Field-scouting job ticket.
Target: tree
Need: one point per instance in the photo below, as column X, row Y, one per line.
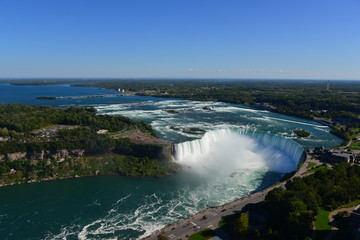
column 241, row 225
column 4, row 132
column 163, row 236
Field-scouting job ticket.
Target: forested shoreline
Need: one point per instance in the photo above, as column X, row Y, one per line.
column 306, row 99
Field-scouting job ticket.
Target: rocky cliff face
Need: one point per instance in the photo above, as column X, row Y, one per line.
column 168, row 151
column 58, row 155
column 145, row 145
column 161, row 152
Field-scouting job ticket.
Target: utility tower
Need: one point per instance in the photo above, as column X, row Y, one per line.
column 328, row 86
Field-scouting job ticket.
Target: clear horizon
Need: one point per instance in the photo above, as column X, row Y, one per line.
column 307, row 40
column 45, row 79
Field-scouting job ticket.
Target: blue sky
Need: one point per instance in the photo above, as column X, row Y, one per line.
column 316, row 39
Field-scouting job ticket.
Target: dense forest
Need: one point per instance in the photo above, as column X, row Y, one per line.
column 31, row 138
column 25, row 119
column 20, row 122
column 290, row 213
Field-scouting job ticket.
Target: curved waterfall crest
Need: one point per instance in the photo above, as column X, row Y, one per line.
column 245, row 146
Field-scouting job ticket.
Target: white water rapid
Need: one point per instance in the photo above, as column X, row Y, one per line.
column 225, row 151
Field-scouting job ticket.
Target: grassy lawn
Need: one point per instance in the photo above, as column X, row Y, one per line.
column 203, row 235
column 311, row 165
column 355, row 145
column 117, row 135
column 351, row 204
column 315, row 169
column 222, row 223
column 322, row 220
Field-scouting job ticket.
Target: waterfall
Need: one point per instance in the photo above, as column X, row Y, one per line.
column 226, row 150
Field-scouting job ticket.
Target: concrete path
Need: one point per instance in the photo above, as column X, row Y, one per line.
column 333, row 213
column 331, row 216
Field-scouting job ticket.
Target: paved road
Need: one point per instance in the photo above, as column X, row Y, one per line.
column 210, row 217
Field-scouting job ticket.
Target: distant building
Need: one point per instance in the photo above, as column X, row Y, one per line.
column 318, row 111
column 335, row 155
column 102, row 131
column 4, row 139
column 328, row 86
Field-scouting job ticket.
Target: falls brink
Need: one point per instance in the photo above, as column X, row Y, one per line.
column 227, row 150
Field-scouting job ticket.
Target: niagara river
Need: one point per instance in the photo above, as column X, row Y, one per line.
column 229, row 151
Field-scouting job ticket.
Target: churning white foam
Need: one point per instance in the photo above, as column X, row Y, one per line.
column 218, row 154
column 224, row 151
column 298, row 122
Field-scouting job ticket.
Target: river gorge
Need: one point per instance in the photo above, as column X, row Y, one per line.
column 230, row 152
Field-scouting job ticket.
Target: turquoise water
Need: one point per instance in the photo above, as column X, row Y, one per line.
column 128, row 208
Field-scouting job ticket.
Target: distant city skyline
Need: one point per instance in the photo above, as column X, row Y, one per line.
column 239, row 39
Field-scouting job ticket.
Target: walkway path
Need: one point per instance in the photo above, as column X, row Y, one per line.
column 331, row 216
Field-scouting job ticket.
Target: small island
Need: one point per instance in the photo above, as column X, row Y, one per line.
column 39, row 143
column 45, row 97
column 301, row 133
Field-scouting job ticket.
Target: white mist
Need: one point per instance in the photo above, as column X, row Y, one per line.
column 226, row 151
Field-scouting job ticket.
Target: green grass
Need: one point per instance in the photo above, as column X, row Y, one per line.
column 311, row 165
column 322, row 220
column 351, row 204
column 203, row 235
column 315, row 169
column 356, row 129
column 355, row 145
column 222, row 223
column 120, row 134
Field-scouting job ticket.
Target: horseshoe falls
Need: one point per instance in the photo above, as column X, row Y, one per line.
column 230, row 150
column 224, row 151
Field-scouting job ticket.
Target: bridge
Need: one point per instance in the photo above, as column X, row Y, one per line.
column 90, row 96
